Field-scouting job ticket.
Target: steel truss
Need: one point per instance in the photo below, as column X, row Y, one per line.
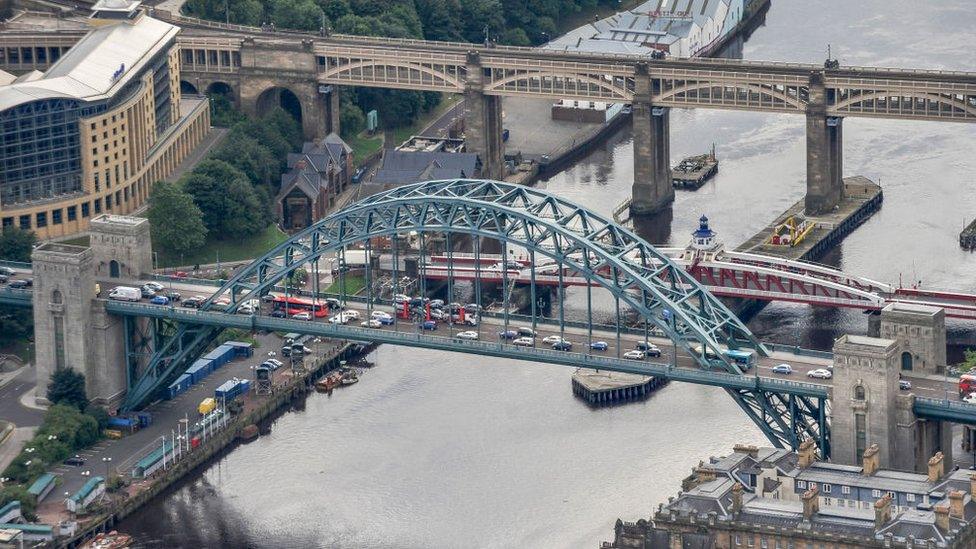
column 611, row 256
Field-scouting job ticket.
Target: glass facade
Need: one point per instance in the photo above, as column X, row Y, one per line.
column 41, row 150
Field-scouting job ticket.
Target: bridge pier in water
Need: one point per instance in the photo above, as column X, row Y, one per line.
column 483, row 121
column 825, row 157
column 652, row 190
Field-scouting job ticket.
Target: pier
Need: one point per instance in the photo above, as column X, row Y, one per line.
column 607, row 388
column 967, row 238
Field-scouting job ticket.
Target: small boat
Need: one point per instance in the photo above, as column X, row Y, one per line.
column 329, row 382
column 350, row 377
column 111, row 540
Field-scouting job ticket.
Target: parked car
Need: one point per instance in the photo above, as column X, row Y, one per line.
column 904, row 384
column 820, row 373
column 784, row 369
column 371, row 323
column 436, row 303
column 524, row 341
column 599, row 346
column 160, row 300
column 75, row 461
column 400, row 298
column 562, row 345
column 21, row 283
column 304, row 315
column 246, row 309
column 635, row 355
column 146, row 292
column 437, row 314
column 125, row 293
column 428, row 325
column 472, row 308
column 472, row 336
column 379, row 314
column 549, row 340
column 508, row 334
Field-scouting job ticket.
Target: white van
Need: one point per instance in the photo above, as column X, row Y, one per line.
column 125, row 293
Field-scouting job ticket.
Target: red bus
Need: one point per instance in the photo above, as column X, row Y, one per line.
column 967, row 384
column 297, row 304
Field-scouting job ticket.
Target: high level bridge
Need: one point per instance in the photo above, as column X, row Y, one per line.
column 257, row 67
column 131, row 351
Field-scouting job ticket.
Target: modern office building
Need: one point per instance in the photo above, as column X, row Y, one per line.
column 92, row 133
column 770, row 498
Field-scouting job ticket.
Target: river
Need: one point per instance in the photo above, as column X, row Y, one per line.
column 446, row 450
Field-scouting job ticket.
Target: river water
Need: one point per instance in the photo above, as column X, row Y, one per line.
column 447, row 450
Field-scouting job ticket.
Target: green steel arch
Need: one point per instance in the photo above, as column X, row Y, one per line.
column 609, row 255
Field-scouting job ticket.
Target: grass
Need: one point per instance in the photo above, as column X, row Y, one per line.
column 354, row 285
column 363, row 146
column 229, row 250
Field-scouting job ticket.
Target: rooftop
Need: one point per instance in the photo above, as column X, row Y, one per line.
column 98, row 66
column 868, row 341
column 59, row 248
column 918, row 308
column 112, row 219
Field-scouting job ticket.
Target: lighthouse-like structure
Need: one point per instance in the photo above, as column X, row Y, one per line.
column 704, row 243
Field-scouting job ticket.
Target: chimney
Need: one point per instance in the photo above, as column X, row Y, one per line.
column 705, row 474
column 807, row 453
column 872, row 461
column 811, row 503
column 942, row 517
column 956, row 504
column 882, row 511
column 935, row 467
column 752, row 450
column 737, row 498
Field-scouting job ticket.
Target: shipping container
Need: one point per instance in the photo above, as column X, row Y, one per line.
column 241, row 349
column 145, row 419
column 232, row 389
column 200, row 370
column 123, row 423
column 179, row 386
column 220, row 356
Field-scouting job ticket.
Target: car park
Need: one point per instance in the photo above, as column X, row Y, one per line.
column 304, row 315
column 471, row 336
column 562, row 345
column 784, row 369
column 599, row 346
column 524, row 341
column 371, row 323
column 160, row 300
column 428, row 325
column 635, row 355
column 75, row 461
column 508, row 334
column 820, row 373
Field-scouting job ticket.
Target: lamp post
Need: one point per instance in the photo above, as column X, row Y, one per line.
column 106, row 461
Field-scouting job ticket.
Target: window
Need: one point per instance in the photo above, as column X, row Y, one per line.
column 876, row 493
column 860, row 435
column 56, row 217
column 84, row 210
column 59, row 340
column 738, row 540
column 859, row 392
column 98, row 182
column 906, row 361
column 910, row 498
column 72, row 213
column 801, row 484
column 25, row 222
column 845, row 489
column 8, row 222
column 763, row 543
column 98, row 205
column 890, row 494
column 108, row 202
column 826, row 488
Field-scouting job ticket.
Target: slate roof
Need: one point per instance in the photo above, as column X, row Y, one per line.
column 406, row 167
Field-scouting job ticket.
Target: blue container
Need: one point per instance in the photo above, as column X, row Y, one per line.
column 220, row 356
column 180, row 386
column 200, row 370
column 145, row 419
column 245, row 386
column 241, row 349
column 121, row 422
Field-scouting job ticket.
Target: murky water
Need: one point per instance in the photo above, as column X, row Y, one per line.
column 445, row 450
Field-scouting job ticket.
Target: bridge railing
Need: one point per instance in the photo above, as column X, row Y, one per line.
column 944, row 409
column 15, row 264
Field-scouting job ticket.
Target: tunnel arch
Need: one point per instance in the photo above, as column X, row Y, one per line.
column 187, row 88
column 277, row 96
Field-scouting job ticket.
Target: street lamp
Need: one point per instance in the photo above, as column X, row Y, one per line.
column 106, row 461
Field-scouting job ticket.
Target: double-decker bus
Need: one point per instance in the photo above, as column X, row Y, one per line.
column 293, row 305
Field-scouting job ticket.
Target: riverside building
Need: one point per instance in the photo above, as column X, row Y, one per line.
column 92, row 133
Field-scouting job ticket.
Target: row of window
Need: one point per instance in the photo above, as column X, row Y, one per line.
column 29, row 54
column 749, row 540
column 829, row 489
column 41, row 220
column 216, row 58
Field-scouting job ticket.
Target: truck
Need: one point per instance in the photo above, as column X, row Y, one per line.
column 125, row 293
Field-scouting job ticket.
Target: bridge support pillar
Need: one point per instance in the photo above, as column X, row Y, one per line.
column 652, row 191
column 922, row 333
column 483, row 122
column 825, row 157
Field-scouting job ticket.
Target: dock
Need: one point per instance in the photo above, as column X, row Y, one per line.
column 608, row 388
column 862, row 197
column 694, row 171
column 967, row 238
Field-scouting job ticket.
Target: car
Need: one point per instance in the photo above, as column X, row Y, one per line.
column 970, row 398
column 350, row 314
column 400, row 298
column 20, row 284
column 278, row 313
column 5, row 278
column 75, row 461
column 146, row 292
column 472, row 336
column 599, row 346
column 156, row 286
column 438, row 314
column 649, row 348
column 371, row 323
column 428, row 325
column 304, row 315
column 562, row 346
column 472, row 308
column 339, row 319
column 454, row 306
column 160, row 300
column 6, row 271
column 174, row 296
column 276, row 362
column 193, row 302
column 386, row 320
column 286, row 351
column 635, row 355
column 525, row 331
column 180, row 274
column 508, row 334
column 245, row 309
column 419, row 301
column 549, row 340
column 268, row 298
column 380, row 314
column 436, row 303
column 221, row 303
column 784, row 369
column 820, row 373
column 904, row 384
column 524, row 341
column 333, row 303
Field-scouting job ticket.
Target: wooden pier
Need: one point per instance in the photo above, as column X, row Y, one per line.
column 608, row 388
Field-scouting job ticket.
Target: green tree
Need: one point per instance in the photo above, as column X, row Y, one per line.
column 67, row 387
column 969, row 362
column 253, row 159
column 177, row 223
column 28, row 505
column 297, row 14
column 230, row 206
column 351, row 119
column 16, row 244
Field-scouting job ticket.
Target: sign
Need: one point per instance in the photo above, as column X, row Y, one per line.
column 372, row 120
column 118, row 72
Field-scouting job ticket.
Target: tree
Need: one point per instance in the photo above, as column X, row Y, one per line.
column 297, row 14
column 230, row 206
column 351, row 119
column 16, row 244
column 67, row 387
column 177, row 223
column 28, row 505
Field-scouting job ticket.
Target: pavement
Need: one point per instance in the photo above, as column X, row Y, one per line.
column 534, row 133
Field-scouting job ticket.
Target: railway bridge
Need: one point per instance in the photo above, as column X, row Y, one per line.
column 259, row 68
column 129, row 352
